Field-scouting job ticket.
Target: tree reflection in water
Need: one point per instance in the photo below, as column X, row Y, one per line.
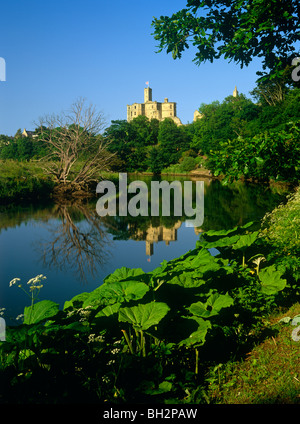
column 80, row 240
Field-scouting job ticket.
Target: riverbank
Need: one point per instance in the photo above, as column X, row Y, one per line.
column 178, row 334
column 22, row 181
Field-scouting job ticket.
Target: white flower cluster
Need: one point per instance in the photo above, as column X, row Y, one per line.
column 84, row 313
column 34, row 282
column 93, row 339
column 14, row 281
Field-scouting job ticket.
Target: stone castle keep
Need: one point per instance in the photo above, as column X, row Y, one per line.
column 159, row 110
column 153, row 109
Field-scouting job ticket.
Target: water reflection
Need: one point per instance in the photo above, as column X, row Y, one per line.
column 70, row 244
column 81, row 242
column 78, row 239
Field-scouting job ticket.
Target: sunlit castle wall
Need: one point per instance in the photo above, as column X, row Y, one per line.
column 152, row 109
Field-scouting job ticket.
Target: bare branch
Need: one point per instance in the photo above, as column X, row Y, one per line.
column 74, row 138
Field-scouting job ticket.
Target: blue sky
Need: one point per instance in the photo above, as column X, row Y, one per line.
column 56, row 51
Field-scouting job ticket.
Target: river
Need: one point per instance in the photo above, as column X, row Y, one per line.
column 69, row 243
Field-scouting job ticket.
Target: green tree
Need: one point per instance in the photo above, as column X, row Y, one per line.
column 145, row 131
column 119, row 135
column 238, row 30
column 171, row 140
column 223, row 121
column 24, row 148
column 130, row 142
column 156, row 160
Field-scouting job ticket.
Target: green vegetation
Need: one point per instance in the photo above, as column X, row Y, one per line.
column 23, row 181
column 238, row 31
column 270, row 372
column 180, row 333
column 169, row 335
column 234, row 139
column 285, row 221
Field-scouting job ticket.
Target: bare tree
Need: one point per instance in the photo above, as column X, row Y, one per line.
column 79, row 241
column 77, row 149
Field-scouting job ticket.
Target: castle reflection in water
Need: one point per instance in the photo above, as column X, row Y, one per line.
column 156, row 234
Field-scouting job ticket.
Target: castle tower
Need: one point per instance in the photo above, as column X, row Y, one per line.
column 235, row 92
column 147, row 94
column 153, row 110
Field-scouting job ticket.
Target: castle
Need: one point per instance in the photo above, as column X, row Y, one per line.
column 152, row 109
column 158, row 110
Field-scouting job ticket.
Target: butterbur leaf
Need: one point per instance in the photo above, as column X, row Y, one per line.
column 197, row 338
column 123, row 273
column 108, row 310
column 124, row 290
column 271, row 281
column 187, row 280
column 40, row 311
column 76, row 301
column 149, row 387
column 116, row 292
column 245, row 240
column 212, row 233
column 212, row 306
column 143, row 316
column 220, row 242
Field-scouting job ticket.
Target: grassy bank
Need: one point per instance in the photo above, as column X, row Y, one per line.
column 26, row 180
column 270, row 372
column 22, row 181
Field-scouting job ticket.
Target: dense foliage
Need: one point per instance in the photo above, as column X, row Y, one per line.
column 239, row 31
column 21, row 148
column 285, row 220
column 144, row 144
column 240, row 138
column 272, row 154
column 236, row 138
column 143, row 337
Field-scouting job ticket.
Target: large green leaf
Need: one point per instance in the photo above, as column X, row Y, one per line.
column 108, row 310
column 271, row 281
column 76, row 301
column 220, row 242
column 222, row 238
column 187, row 279
column 245, row 240
column 40, row 311
column 123, row 274
column 197, row 338
column 116, row 292
column 143, row 316
column 204, row 262
column 212, row 306
column 220, row 232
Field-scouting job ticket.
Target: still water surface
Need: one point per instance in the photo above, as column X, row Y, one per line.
column 76, row 249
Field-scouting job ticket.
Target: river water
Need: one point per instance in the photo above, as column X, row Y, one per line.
column 76, row 249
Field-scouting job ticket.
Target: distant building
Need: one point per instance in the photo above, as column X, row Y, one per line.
column 27, row 133
column 235, row 92
column 198, row 115
column 152, row 109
